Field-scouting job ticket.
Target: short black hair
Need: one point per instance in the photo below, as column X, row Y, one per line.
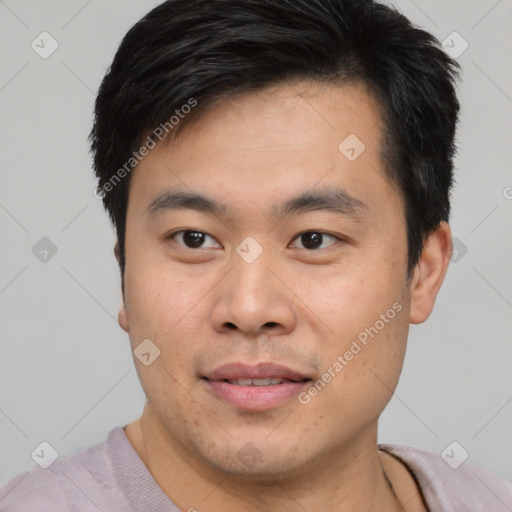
column 199, row 52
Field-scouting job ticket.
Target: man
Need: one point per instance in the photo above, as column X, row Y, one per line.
column 278, row 174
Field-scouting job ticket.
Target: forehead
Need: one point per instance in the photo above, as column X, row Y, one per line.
column 287, row 117
column 272, row 144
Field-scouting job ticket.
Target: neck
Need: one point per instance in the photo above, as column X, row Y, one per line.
column 349, row 478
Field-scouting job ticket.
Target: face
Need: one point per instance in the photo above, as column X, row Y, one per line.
column 251, row 282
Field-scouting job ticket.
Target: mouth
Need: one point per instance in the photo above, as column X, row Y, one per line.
column 261, row 382
column 261, row 374
column 255, row 388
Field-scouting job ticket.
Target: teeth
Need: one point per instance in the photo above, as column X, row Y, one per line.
column 255, row 382
column 241, row 382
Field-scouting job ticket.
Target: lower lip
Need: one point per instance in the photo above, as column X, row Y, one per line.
column 255, row 398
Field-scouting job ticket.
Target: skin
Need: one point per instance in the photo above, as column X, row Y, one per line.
column 295, row 306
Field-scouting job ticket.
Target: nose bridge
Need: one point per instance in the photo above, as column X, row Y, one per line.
column 252, row 298
column 251, row 277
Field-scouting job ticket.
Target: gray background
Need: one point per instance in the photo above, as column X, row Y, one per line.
column 66, row 371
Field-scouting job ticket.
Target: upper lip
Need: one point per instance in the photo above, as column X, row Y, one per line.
column 260, row 371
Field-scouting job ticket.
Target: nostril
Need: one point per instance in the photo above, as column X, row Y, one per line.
column 271, row 324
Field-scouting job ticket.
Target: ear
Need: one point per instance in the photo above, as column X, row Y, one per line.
column 122, row 316
column 429, row 273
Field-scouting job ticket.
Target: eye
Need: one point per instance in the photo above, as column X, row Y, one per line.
column 192, row 239
column 312, row 240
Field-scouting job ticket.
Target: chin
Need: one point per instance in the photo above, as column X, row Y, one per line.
column 244, row 459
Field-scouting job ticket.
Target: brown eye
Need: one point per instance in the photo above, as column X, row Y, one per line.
column 191, row 239
column 313, row 240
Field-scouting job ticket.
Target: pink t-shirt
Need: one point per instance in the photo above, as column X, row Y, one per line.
column 111, row 477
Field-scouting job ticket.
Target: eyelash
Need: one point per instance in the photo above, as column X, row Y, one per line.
column 173, row 235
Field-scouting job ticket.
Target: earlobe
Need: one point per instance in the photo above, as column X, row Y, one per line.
column 430, row 272
column 122, row 316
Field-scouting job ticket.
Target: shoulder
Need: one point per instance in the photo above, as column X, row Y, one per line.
column 83, row 481
column 450, row 483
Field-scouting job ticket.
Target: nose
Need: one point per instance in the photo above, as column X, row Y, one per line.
column 254, row 298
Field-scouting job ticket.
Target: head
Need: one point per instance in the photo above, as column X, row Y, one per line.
column 228, row 136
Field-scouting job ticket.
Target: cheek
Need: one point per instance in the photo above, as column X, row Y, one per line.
column 350, row 298
column 158, row 293
column 170, row 307
column 366, row 312
column 359, row 378
column 167, row 311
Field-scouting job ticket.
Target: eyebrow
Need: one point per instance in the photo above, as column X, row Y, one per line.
column 334, row 200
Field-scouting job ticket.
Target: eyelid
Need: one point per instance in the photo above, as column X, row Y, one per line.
column 173, row 234
column 320, row 232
